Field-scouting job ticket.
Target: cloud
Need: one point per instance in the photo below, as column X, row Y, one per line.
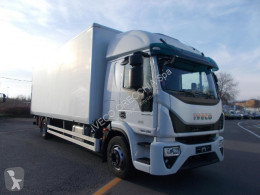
column 25, row 11
column 248, row 85
column 231, row 59
column 243, row 66
column 226, row 30
column 21, row 50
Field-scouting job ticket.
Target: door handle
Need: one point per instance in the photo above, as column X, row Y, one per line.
column 122, row 114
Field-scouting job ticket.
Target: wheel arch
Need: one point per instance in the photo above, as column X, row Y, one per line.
column 41, row 120
column 118, row 129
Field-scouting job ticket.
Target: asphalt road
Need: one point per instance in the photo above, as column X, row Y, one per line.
column 56, row 166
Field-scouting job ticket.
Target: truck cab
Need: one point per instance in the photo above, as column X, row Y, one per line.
column 162, row 95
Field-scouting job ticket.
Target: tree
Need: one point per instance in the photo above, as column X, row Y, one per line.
column 227, row 89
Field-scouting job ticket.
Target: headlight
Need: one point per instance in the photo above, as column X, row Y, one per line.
column 171, row 151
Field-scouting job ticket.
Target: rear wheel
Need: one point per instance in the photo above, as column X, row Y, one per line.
column 44, row 132
column 119, row 157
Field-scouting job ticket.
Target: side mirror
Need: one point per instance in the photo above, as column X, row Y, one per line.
column 136, row 60
column 136, row 77
column 2, row 97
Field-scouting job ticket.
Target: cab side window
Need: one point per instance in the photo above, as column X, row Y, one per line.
column 146, row 102
column 126, row 83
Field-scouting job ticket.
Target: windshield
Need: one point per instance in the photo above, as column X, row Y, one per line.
column 187, row 79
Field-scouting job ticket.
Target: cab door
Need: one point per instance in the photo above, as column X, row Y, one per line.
column 137, row 105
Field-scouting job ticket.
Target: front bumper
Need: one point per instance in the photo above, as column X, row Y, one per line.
column 187, row 159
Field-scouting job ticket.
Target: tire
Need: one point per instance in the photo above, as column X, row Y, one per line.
column 119, row 157
column 44, row 132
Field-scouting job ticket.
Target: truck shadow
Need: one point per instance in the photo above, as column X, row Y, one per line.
column 226, row 177
column 196, row 181
column 182, row 182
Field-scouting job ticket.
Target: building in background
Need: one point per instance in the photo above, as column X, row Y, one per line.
column 252, row 105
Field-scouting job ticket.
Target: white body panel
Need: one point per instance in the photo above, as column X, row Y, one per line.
column 71, row 86
column 158, row 167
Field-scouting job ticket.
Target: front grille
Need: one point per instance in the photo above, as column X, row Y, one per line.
column 196, row 139
column 180, row 127
column 200, row 160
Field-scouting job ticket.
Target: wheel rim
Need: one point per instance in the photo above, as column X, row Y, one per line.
column 117, row 157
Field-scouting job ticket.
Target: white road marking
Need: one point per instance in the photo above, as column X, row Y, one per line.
column 257, row 126
column 248, row 130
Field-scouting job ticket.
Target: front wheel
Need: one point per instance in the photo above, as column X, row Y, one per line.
column 119, row 157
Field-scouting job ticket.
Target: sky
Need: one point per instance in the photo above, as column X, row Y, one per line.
column 228, row 31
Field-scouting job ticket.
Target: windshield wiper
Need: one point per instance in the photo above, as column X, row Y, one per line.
column 207, row 95
column 182, row 91
column 194, row 93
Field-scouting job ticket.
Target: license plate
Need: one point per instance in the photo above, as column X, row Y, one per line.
column 203, row 149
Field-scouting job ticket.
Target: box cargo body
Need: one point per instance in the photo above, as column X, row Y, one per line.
column 71, row 85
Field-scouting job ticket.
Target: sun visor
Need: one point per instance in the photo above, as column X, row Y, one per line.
column 163, row 49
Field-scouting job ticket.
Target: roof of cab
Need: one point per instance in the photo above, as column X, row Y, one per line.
column 136, row 40
column 129, row 42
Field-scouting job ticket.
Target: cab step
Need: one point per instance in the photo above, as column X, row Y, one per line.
column 144, row 160
column 144, row 144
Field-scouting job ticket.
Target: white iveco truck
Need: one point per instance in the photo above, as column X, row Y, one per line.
column 143, row 100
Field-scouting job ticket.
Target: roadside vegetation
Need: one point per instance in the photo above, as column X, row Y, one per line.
column 16, row 107
column 227, row 87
